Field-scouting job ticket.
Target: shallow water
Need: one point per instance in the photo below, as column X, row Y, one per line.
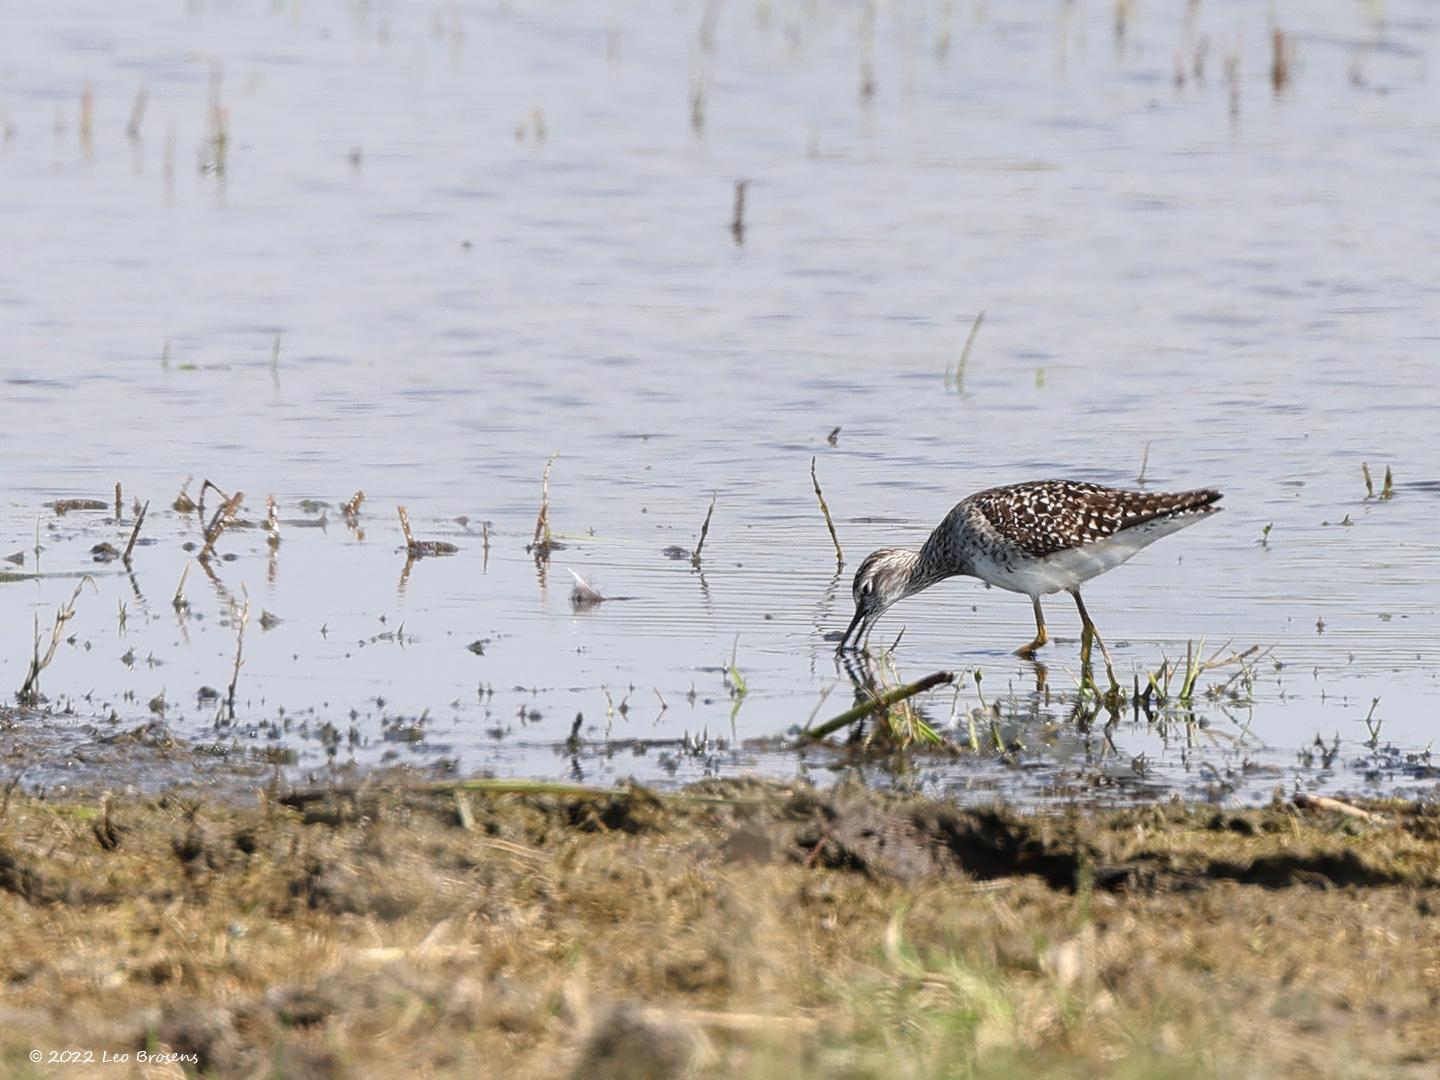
column 489, row 232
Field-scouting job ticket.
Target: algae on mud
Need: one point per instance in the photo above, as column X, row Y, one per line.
column 738, row 928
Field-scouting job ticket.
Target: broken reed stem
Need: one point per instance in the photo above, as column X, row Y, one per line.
column 222, row 518
column 29, row 693
column 25, row 694
column 137, row 112
column 1282, row 52
column 118, row 501
column 737, row 221
column 87, row 113
column 969, row 344
column 272, row 522
column 875, row 704
column 704, row 531
column 824, row 509
column 180, row 603
column 1144, row 463
column 419, row 549
column 542, row 521
column 239, row 657
column 352, row 508
column 1306, row 801
column 135, row 532
column 1369, row 483
column 205, row 485
column 183, row 504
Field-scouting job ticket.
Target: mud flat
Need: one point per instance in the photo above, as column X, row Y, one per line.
column 408, row 925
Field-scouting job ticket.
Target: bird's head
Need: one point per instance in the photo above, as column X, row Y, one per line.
column 883, row 578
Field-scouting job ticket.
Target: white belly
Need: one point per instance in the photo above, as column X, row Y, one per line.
column 1069, row 568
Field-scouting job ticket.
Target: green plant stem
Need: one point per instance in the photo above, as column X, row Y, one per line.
column 884, row 701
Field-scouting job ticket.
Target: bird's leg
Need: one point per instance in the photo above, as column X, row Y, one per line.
column 1087, row 638
column 1089, row 633
column 1028, row 651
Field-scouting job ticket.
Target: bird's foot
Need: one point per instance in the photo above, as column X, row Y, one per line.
column 1029, row 649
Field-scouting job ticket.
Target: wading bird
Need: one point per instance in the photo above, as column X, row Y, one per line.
column 1036, row 538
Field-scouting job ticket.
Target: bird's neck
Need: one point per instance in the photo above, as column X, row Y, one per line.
column 936, row 561
column 922, row 570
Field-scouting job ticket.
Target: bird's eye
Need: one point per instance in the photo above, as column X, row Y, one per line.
column 865, row 589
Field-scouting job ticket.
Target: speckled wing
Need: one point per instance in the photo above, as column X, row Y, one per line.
column 1046, row 516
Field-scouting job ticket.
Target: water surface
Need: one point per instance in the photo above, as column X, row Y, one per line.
column 485, row 233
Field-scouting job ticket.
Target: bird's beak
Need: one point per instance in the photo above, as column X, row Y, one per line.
column 855, row 625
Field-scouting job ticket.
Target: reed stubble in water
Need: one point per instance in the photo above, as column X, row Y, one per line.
column 137, row 113
column 178, row 602
column 241, row 614
column 29, row 693
column 825, row 509
column 737, row 219
column 135, row 532
column 419, row 549
column 876, row 704
column 221, row 519
column 543, row 543
column 704, row 532
column 583, row 594
column 1387, row 489
column 957, row 380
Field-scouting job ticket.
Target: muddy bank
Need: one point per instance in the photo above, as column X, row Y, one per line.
column 736, row 928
